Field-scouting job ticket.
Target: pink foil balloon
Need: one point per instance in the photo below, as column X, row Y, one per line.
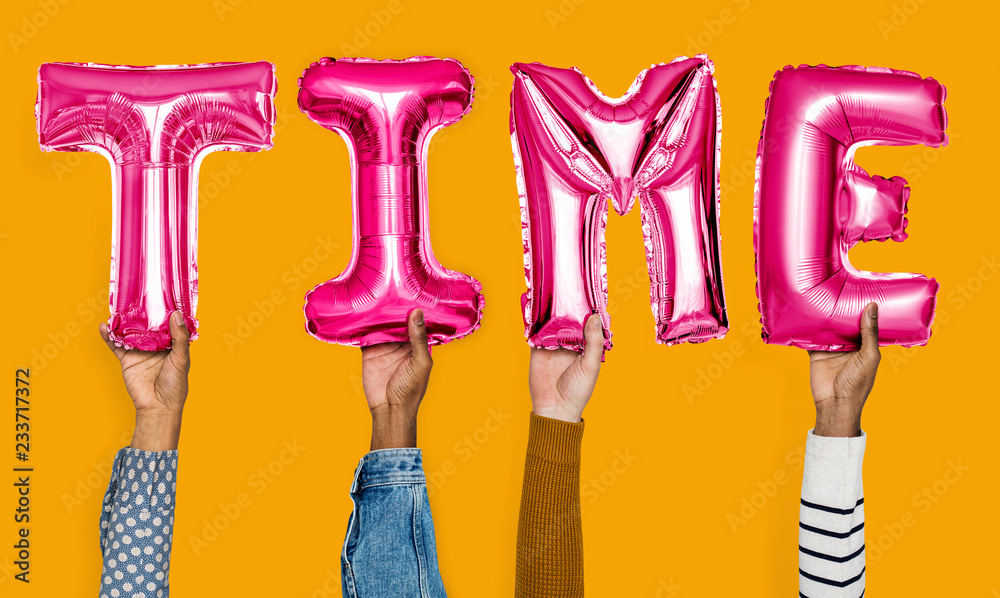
column 574, row 149
column 155, row 125
column 813, row 203
column 387, row 112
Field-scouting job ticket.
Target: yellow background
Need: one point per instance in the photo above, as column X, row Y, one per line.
column 667, row 520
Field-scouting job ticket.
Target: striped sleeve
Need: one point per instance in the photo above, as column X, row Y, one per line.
column 832, row 519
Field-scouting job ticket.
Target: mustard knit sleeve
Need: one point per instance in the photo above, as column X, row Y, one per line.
column 549, row 532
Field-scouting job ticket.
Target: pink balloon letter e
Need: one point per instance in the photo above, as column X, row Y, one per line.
column 813, row 203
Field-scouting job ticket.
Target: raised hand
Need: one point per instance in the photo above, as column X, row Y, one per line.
column 841, row 381
column 157, row 382
column 561, row 381
column 394, row 377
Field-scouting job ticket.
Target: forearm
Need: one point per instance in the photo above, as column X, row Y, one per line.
column 157, row 429
column 549, row 530
column 840, row 419
column 137, row 521
column 390, row 548
column 831, row 518
column 394, row 427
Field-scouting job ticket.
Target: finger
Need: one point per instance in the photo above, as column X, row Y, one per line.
column 869, row 334
column 416, row 329
column 179, row 340
column 115, row 349
column 593, row 350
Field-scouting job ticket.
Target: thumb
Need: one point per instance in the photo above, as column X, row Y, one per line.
column 416, row 329
column 593, row 350
column 180, row 337
column 869, row 335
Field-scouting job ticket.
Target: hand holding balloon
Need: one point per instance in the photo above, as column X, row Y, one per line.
column 841, row 381
column 157, row 382
column 561, row 381
column 394, row 377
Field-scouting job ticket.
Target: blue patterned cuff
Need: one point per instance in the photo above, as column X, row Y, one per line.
column 137, row 524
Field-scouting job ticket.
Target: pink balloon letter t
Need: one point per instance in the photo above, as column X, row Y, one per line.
column 155, row 125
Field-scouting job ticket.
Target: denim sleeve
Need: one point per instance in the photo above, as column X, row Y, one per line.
column 137, row 524
column 389, row 549
column 832, row 519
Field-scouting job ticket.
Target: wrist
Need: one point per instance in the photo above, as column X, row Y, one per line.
column 156, row 429
column 393, row 427
column 838, row 421
column 569, row 415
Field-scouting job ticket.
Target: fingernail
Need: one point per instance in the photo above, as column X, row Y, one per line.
column 874, row 311
column 178, row 319
column 595, row 322
column 420, row 317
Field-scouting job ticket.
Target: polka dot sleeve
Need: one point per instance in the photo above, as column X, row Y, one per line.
column 137, row 524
